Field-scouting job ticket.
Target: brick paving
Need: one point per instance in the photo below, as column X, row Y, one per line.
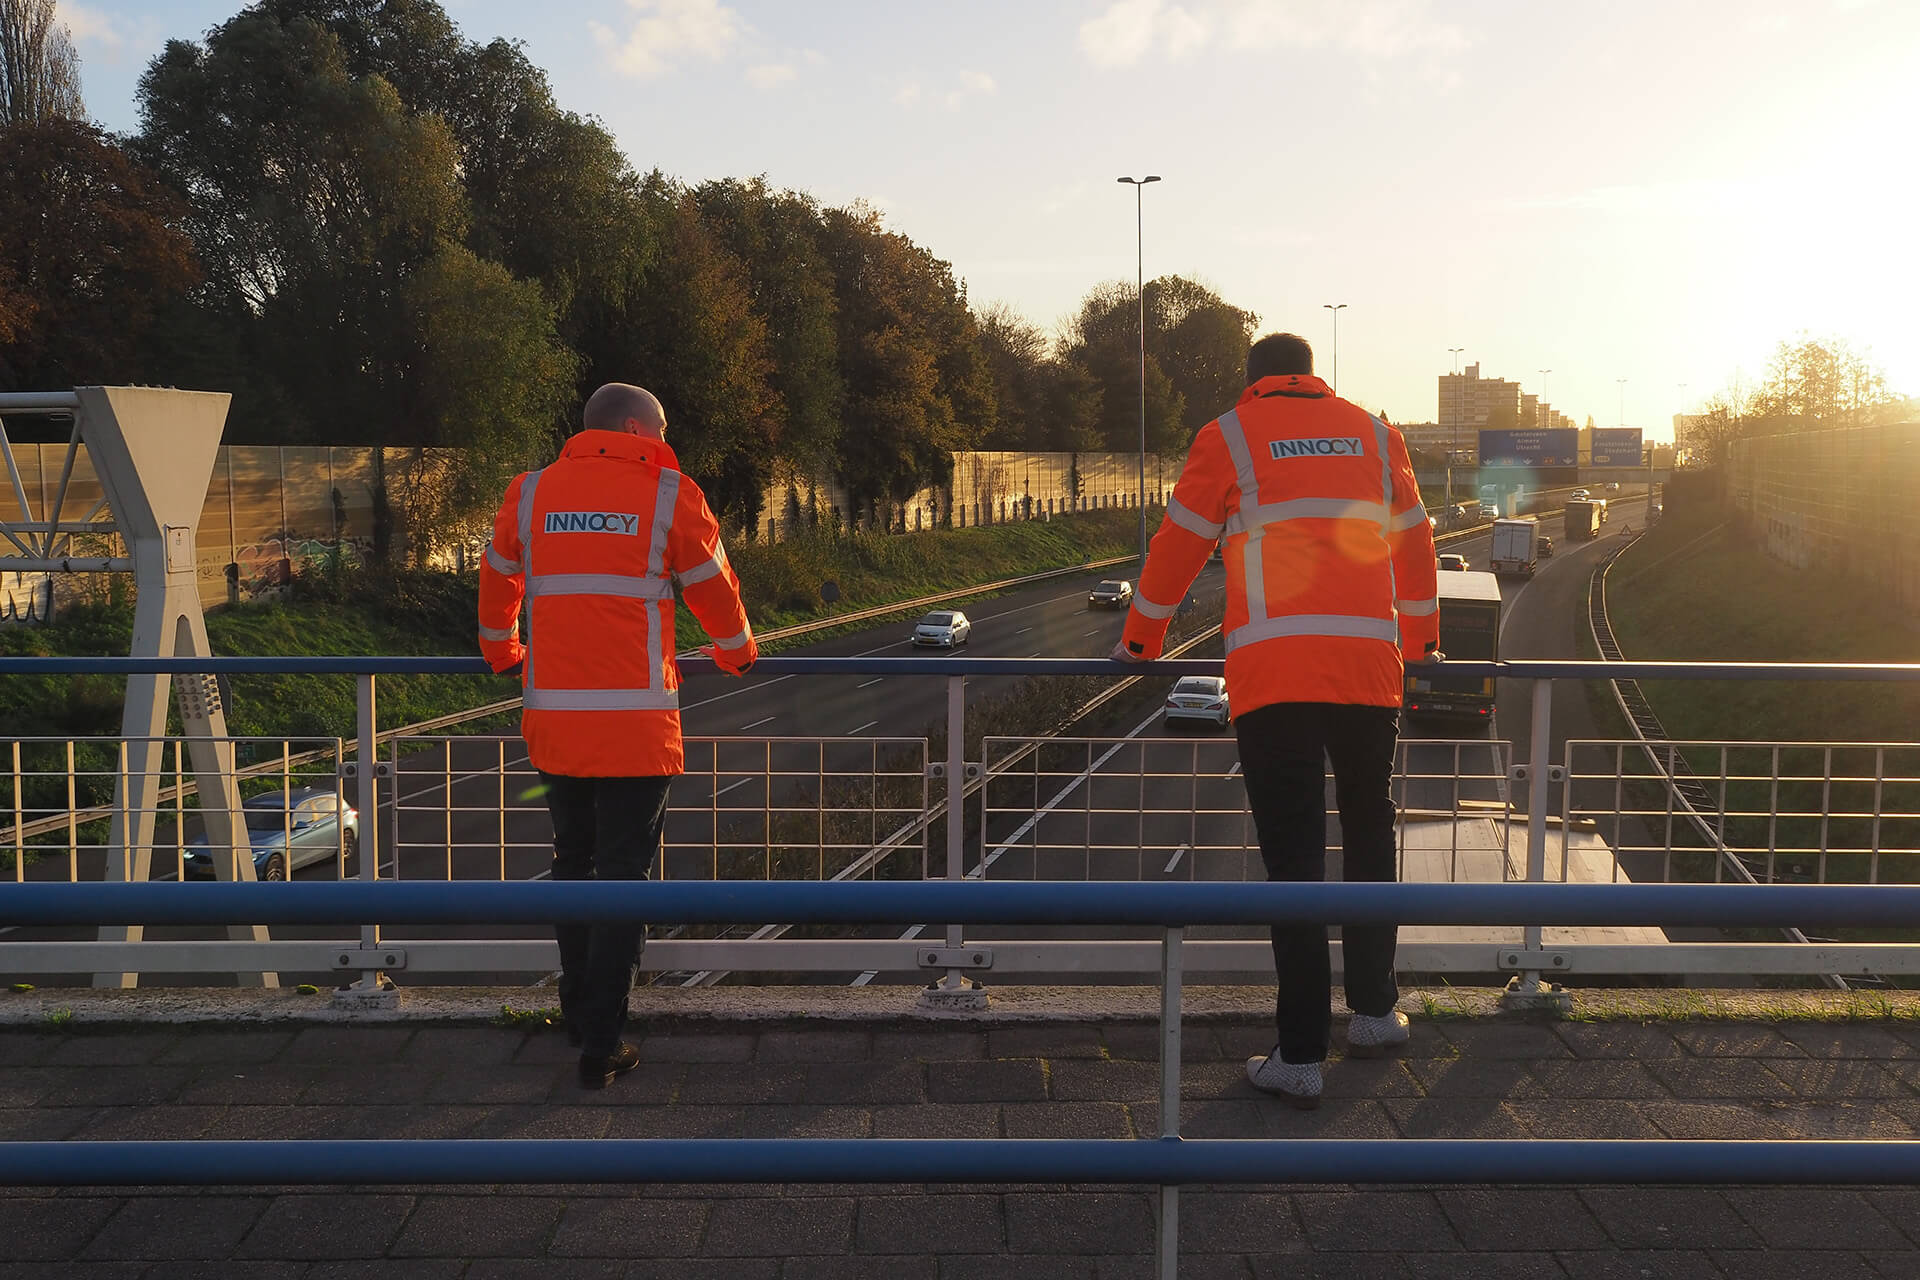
column 1487, row 1075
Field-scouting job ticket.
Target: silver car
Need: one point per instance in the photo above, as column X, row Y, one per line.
column 1199, row 698
column 942, row 629
column 287, row 831
column 1110, row 595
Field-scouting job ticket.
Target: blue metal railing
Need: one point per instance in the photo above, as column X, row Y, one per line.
column 1511, row 669
column 1174, row 905
column 1165, row 1162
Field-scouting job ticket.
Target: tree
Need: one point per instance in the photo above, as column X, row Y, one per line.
column 1201, row 342
column 39, row 70
column 493, row 370
column 1016, row 355
column 1104, row 341
column 776, row 236
column 1822, row 382
column 689, row 333
column 550, row 195
column 88, row 258
column 910, row 358
column 341, row 304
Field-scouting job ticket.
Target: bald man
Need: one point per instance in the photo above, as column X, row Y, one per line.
column 594, row 543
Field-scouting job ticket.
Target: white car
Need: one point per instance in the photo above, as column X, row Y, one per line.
column 1199, row 698
column 1579, row 495
column 943, row 629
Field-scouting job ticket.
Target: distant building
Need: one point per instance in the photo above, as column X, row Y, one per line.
column 1426, row 437
column 1466, row 400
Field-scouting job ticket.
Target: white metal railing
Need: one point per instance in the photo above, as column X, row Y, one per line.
column 1796, row 812
column 467, row 808
column 59, row 798
column 827, row 808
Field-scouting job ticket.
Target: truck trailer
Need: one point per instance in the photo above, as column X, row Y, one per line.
column 1516, row 546
column 1583, row 517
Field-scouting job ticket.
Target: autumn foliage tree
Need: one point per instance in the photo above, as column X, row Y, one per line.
column 90, row 254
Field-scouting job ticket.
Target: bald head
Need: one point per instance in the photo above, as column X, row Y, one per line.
column 620, row 406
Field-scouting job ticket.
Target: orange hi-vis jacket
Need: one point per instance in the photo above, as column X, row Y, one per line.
column 594, row 543
column 1328, row 553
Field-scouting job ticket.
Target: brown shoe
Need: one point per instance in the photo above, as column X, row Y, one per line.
column 597, row 1072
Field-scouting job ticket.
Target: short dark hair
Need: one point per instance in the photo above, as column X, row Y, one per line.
column 1277, row 355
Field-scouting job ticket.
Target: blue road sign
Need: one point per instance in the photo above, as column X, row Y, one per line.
column 1616, row 446
column 1559, row 447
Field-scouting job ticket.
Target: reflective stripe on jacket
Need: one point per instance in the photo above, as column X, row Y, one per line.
column 1328, row 553
column 592, row 543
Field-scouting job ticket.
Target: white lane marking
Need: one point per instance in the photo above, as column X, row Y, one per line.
column 1236, row 769
column 1022, row 631
column 1094, row 632
column 1033, row 655
column 732, row 787
column 863, row 728
column 757, row 723
column 869, row 684
column 1174, row 861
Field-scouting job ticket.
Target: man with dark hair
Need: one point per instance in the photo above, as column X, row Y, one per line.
column 1278, row 355
column 1330, row 590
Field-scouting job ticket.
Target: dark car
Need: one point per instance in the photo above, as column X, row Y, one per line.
column 288, row 830
column 1110, row 595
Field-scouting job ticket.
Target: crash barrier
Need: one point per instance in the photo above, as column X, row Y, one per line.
column 1167, row 1161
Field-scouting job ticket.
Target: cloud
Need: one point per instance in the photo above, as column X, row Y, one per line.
column 770, row 75
column 1129, row 30
column 87, row 25
column 908, row 94
column 972, row 84
column 668, row 33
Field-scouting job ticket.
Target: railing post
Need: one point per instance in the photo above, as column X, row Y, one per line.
column 956, row 990
column 1168, row 1235
column 1525, row 989
column 374, row 990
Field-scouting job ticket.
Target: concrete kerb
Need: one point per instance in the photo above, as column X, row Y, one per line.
column 67, row 1008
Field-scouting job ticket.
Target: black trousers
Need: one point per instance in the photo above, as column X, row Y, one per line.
column 1283, row 749
column 603, row 829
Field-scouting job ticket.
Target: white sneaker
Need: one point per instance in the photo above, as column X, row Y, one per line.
column 1369, row 1037
column 1297, row 1082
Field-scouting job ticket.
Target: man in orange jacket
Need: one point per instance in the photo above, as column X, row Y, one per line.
column 594, row 543
column 1330, row 591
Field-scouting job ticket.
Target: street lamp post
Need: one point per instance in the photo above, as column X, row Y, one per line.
column 1336, row 308
column 1453, row 437
column 1140, row 289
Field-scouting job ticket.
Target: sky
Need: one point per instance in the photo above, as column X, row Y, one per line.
column 1644, row 190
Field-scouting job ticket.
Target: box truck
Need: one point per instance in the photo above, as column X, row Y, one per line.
column 1583, row 517
column 1516, row 545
